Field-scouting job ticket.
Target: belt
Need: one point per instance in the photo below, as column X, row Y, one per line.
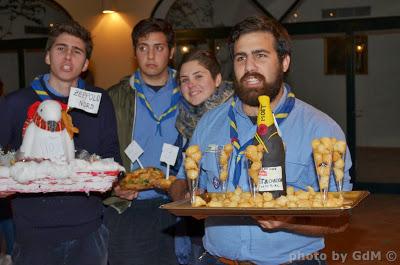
column 210, row 258
column 234, row 262
column 309, row 259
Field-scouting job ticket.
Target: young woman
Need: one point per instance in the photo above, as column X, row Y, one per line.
column 202, row 88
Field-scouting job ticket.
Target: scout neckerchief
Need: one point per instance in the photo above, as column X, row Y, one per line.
column 39, row 86
column 280, row 115
column 283, row 111
column 176, row 95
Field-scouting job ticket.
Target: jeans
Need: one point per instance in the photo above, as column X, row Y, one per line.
column 7, row 229
column 90, row 250
column 141, row 235
column 188, row 240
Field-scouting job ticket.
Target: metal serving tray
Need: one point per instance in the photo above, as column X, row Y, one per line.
column 184, row 208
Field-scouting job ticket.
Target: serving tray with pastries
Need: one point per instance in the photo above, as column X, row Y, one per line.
column 146, row 178
column 244, row 204
column 48, row 176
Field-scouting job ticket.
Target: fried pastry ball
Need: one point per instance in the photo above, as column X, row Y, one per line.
column 290, row 190
column 215, row 204
column 340, row 146
column 192, row 161
column 224, row 175
column 308, row 198
column 192, row 149
column 192, row 174
column 228, row 148
column 224, row 156
column 198, row 202
column 196, row 156
column 339, row 174
column 315, row 143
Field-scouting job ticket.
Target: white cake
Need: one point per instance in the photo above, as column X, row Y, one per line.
column 48, row 157
column 50, row 176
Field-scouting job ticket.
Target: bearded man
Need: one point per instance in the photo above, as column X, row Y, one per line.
column 261, row 51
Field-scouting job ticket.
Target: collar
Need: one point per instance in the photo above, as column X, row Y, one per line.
column 238, row 110
column 51, row 89
column 282, row 99
column 169, row 85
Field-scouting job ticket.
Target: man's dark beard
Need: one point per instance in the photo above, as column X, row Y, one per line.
column 250, row 96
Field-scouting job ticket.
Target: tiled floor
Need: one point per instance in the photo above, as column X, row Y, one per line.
column 373, row 235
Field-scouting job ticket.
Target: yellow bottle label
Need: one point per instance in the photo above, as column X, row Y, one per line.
column 264, row 118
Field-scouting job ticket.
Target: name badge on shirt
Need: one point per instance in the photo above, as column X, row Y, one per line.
column 85, row 100
column 216, row 182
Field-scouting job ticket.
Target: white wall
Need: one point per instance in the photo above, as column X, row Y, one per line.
column 325, row 92
column 112, row 55
column 377, row 93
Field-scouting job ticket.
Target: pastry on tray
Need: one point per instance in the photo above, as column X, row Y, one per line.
column 146, row 178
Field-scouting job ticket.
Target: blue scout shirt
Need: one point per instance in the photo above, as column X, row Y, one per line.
column 145, row 131
column 240, row 238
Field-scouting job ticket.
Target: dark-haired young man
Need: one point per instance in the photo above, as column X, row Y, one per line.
column 146, row 108
column 261, row 50
column 61, row 228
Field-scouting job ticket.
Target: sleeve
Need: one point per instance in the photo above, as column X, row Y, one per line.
column 108, row 134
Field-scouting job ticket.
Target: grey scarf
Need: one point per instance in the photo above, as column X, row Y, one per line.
column 189, row 115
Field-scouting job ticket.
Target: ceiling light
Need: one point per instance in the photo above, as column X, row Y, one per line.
column 185, row 49
column 359, row 48
column 108, row 6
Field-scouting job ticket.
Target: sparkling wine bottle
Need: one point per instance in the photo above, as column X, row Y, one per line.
column 272, row 176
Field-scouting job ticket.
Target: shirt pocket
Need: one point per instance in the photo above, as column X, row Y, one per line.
column 297, row 170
